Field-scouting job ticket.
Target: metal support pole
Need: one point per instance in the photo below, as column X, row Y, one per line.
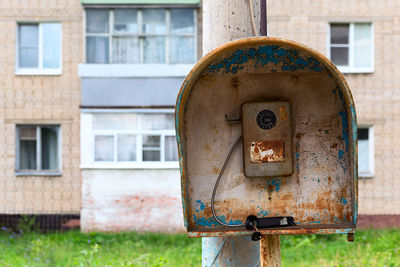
column 270, row 251
column 224, row 21
column 231, row 251
column 263, row 18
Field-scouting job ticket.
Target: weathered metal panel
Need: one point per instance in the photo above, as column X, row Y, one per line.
column 321, row 194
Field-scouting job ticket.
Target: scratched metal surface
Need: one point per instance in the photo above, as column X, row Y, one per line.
column 321, row 194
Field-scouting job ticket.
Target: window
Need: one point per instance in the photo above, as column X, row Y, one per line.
column 129, row 36
column 366, row 151
column 135, row 139
column 351, row 46
column 38, row 149
column 39, row 49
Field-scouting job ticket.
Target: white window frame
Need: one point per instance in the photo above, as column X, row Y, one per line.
column 38, row 171
column 350, row 68
column 88, row 147
column 39, row 70
column 142, row 35
column 371, row 147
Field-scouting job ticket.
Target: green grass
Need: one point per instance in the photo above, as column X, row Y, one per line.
column 371, row 248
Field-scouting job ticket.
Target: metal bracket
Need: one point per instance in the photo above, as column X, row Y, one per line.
column 232, row 119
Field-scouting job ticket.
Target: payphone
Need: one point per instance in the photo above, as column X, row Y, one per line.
column 267, row 140
column 266, row 132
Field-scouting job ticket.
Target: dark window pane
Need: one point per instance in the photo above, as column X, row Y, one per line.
column 340, row 56
column 97, row 49
column 49, row 148
column 339, row 33
column 363, row 151
column 151, row 141
column 27, row 154
column 97, row 21
column 182, row 20
column 27, row 147
column 363, row 133
column 151, row 155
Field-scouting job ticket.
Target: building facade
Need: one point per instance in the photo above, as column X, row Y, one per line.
column 39, row 108
column 88, row 88
column 362, row 39
column 137, row 56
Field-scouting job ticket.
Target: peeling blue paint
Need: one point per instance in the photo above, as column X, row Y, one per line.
column 210, row 222
column 340, row 154
column 345, row 128
column 199, row 206
column 263, row 212
column 275, row 183
column 341, row 160
column 355, row 137
column 291, row 60
column 297, row 161
column 337, row 220
column 343, row 201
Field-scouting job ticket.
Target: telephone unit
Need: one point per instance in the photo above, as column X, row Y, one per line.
column 267, row 139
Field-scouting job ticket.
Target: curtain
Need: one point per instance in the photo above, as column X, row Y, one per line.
column 51, row 34
column 362, row 45
column 49, row 148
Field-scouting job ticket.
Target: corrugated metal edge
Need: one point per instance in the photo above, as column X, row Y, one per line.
column 187, row 86
column 282, row 231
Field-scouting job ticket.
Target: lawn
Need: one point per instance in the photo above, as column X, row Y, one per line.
column 371, row 248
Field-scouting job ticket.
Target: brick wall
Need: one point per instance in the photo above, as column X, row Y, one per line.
column 377, row 95
column 40, row 99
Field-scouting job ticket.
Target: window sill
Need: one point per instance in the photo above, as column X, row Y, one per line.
column 366, row 175
column 134, row 70
column 33, row 173
column 348, row 70
column 127, row 166
column 38, row 72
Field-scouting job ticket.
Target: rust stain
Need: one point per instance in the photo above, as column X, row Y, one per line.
column 207, row 148
column 268, row 151
column 270, row 252
column 215, row 170
column 299, row 135
column 283, row 113
column 335, row 145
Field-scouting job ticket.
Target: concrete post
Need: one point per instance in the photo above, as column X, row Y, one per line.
column 224, row 21
column 228, row 20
